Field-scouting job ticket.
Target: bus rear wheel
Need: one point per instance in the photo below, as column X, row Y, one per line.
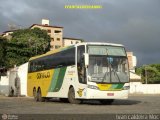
column 71, row 97
column 35, row 94
column 39, row 96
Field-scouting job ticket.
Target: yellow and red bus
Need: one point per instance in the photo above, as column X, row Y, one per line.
column 84, row 71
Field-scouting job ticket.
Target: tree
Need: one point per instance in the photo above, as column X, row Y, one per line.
column 36, row 39
column 149, row 72
column 3, row 42
column 26, row 43
column 157, row 66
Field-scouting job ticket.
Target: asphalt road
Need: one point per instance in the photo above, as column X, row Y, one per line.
column 137, row 107
column 140, row 104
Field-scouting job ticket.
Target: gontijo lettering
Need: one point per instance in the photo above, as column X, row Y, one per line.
column 43, row 75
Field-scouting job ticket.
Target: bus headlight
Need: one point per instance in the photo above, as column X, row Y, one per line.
column 126, row 87
column 93, row 87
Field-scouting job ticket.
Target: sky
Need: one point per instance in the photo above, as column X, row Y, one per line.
column 133, row 23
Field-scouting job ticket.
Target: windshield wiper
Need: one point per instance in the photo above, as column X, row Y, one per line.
column 116, row 74
column 114, row 71
column 104, row 77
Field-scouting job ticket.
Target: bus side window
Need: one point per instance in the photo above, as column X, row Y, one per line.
column 80, row 64
column 32, row 65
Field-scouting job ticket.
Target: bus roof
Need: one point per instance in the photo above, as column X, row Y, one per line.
column 68, row 47
column 51, row 52
column 98, row 43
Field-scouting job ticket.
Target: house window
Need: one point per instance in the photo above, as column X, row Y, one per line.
column 49, row 31
column 71, row 42
column 77, row 42
column 57, row 46
column 52, row 39
column 58, row 39
column 52, row 47
column 57, row 31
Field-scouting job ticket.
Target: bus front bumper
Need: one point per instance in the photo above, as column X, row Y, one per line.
column 98, row 94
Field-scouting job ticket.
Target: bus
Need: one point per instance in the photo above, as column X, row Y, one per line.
column 84, row 71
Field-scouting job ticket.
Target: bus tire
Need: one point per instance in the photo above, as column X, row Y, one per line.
column 71, row 97
column 107, row 101
column 35, row 94
column 39, row 96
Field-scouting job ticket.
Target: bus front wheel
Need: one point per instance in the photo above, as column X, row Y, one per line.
column 71, row 97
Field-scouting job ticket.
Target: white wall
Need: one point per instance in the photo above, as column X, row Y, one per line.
column 12, row 76
column 4, row 85
column 6, row 82
column 22, row 74
column 139, row 88
column 67, row 42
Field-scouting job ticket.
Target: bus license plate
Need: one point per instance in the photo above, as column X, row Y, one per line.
column 110, row 94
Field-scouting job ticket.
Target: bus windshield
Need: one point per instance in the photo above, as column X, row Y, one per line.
column 107, row 65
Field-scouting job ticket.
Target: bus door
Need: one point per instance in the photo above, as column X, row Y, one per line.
column 82, row 81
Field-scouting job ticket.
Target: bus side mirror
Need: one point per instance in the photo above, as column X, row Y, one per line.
column 86, row 59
